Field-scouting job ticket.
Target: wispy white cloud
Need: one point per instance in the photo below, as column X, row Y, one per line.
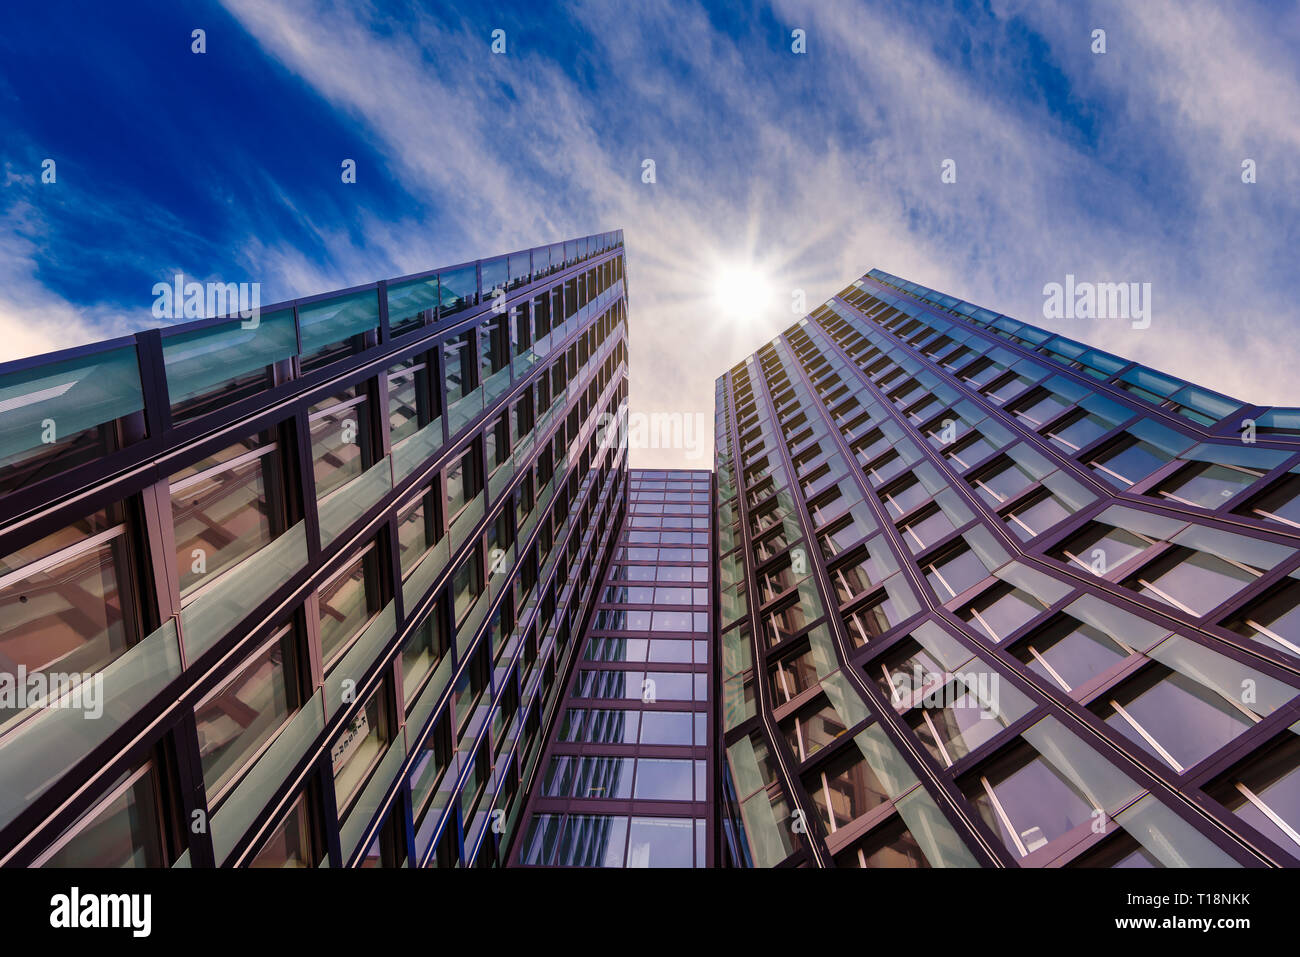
column 817, row 167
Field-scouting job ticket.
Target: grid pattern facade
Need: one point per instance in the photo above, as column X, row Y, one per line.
column 298, row 585
column 629, row 771
column 989, row 597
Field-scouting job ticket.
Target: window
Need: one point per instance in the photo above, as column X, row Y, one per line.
column 588, row 840
column 1098, row 548
column 1028, row 802
column 1004, row 481
column 669, row 728
column 468, row 690
column 458, row 289
column 903, row 498
column 793, row 674
column 494, row 341
column 246, row 711
column 460, row 370
column 613, row 726
column 295, row 841
column 1079, row 429
column 388, row 848
column 64, row 414
column 338, row 326
column 128, row 827
column 812, row 728
column 954, row 572
column 424, row 649
column 953, row 701
column 359, row 748
column 539, row 844
column 780, row 623
column 431, row 763
column 928, row 528
column 411, row 304
column 596, row 778
column 224, row 508
column 1129, row 461
column 418, row 529
column 541, row 316
column 1191, row 580
column 1272, row 619
column 1070, row 653
column 1207, row 484
column 661, row 842
column 881, row 612
column 216, row 365
column 1000, row 610
column 844, row 789
column 341, row 445
column 347, row 603
column 497, row 442
column 1037, row 514
column 665, row 779
column 67, row 603
column 1265, row 792
column 1039, row 408
column 463, row 481
column 467, row 584
column 1279, row 503
column 972, row 450
column 412, row 402
column 889, row 846
column 1173, row 716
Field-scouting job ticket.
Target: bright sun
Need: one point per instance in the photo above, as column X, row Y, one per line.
column 742, row 292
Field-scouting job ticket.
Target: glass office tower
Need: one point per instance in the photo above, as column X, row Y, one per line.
column 300, row 588
column 990, row 597
column 629, row 776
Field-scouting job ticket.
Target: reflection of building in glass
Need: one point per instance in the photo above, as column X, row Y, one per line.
column 327, row 562
column 989, row 597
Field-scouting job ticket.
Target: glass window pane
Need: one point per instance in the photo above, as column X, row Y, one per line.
column 222, row 517
column 327, row 327
column 340, row 437
column 83, row 398
column 293, row 843
column 245, row 712
column 125, row 830
column 347, row 603
column 211, row 367
column 359, row 747
column 661, row 842
column 72, row 612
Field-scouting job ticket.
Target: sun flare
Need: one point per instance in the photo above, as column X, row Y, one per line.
column 742, row 292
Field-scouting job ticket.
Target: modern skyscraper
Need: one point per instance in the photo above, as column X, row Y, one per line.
column 629, row 775
column 990, row 597
column 300, row 587
column 365, row 580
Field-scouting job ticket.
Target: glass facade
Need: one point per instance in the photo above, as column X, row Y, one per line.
column 370, row 583
column 992, row 598
column 309, row 580
column 628, row 779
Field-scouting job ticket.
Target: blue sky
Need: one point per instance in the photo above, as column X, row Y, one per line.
column 808, row 169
